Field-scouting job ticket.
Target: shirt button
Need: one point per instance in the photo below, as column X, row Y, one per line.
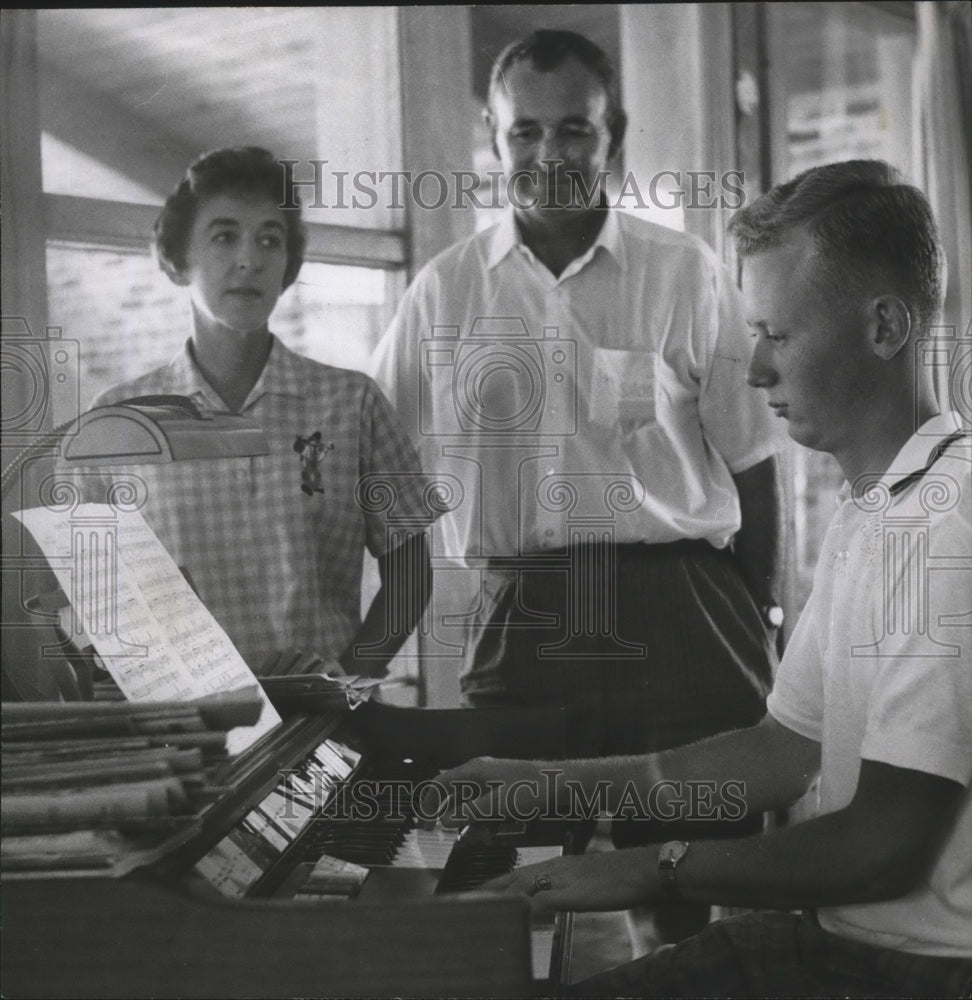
column 549, row 533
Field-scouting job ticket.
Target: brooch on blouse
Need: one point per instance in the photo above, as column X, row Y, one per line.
column 311, row 450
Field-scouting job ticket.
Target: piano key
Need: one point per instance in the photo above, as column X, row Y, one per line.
column 426, row 848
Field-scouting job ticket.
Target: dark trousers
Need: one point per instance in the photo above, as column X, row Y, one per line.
column 651, row 646
column 780, row 955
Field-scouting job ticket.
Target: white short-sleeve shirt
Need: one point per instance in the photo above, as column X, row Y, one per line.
column 879, row 667
column 610, row 399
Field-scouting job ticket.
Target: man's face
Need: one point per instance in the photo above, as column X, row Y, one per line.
column 235, row 261
column 551, row 125
column 812, row 351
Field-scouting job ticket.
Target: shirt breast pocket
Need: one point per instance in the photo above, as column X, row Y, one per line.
column 623, row 389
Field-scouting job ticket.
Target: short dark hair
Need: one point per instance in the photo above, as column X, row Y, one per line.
column 242, row 170
column 864, row 220
column 546, row 50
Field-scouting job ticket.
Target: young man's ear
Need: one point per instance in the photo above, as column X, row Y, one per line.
column 889, row 324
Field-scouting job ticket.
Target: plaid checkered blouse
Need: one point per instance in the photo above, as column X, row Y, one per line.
column 277, row 566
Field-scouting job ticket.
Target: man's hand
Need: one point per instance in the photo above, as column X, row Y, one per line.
column 487, row 788
column 610, row 880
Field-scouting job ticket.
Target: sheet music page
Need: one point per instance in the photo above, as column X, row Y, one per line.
column 155, row 636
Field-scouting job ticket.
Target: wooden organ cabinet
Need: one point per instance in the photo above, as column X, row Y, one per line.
column 165, row 931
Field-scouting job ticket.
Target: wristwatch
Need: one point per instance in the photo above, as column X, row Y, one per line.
column 669, row 857
column 772, row 615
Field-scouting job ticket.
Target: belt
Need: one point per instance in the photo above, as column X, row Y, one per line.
column 647, row 550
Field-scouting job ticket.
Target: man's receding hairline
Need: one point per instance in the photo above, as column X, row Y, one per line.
column 527, row 60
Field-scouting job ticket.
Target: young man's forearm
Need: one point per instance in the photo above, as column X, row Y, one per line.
column 777, row 763
column 878, row 847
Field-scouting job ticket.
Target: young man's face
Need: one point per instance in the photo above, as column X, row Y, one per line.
column 812, row 352
column 551, row 124
column 235, row 261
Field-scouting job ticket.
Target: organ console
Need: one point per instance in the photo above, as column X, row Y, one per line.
column 243, row 908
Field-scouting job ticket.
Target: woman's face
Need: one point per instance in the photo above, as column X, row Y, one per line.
column 235, row 261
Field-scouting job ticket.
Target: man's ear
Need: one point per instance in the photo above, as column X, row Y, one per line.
column 490, row 119
column 889, row 325
column 618, row 128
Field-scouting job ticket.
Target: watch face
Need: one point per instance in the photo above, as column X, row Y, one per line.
column 672, row 852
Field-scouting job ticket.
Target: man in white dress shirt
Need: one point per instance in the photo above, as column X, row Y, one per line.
column 581, row 374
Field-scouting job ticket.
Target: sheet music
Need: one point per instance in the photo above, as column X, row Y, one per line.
column 154, row 635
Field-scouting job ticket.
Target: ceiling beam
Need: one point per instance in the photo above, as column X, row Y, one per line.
column 110, row 133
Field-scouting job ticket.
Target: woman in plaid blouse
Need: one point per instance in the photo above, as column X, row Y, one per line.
column 274, row 544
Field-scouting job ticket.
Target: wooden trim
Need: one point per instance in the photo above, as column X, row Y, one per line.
column 28, row 407
column 719, row 134
column 24, row 284
column 437, row 118
column 122, row 225
column 112, row 225
column 329, row 244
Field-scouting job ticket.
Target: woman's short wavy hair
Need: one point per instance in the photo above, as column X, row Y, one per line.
column 240, row 170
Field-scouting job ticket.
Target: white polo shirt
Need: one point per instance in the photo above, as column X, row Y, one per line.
column 608, row 402
column 879, row 667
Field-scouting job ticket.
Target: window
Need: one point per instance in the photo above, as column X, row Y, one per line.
column 840, row 84
column 129, row 318
column 129, row 96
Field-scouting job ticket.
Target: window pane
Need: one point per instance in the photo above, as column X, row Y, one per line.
column 129, row 318
column 131, row 95
column 841, row 80
column 842, row 75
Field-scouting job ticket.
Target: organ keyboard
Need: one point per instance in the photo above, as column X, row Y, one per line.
column 298, row 883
